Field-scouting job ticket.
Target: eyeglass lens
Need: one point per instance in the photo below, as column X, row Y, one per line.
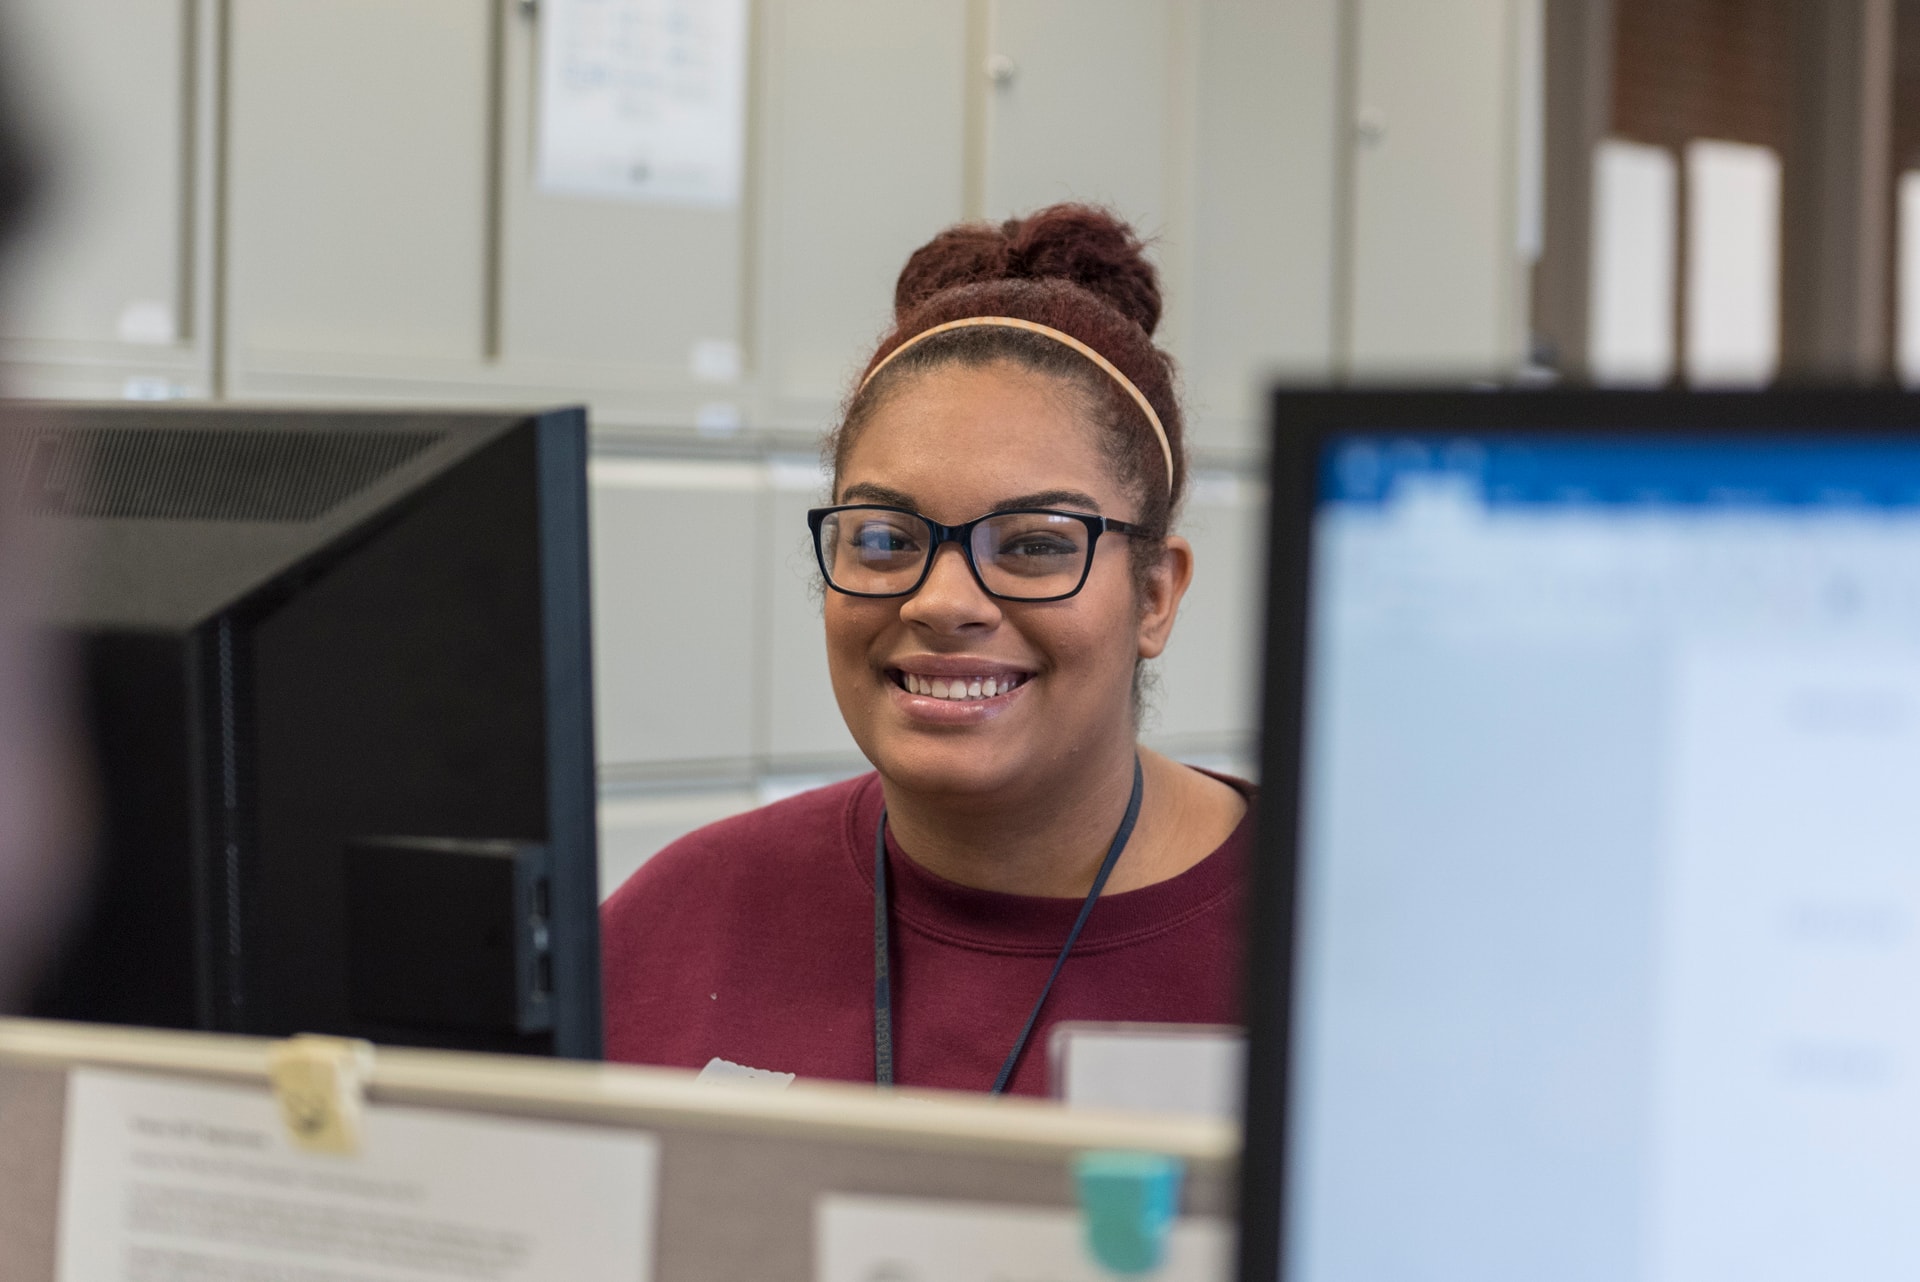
column 1021, row 555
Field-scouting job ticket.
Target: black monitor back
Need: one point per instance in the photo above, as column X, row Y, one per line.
column 336, row 670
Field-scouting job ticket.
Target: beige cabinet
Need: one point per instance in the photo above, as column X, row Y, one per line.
column 1436, row 283
column 335, row 199
column 1082, row 104
column 382, row 237
column 358, row 191
column 399, row 245
column 804, row 729
column 113, row 294
column 863, row 117
column 1257, row 296
column 1208, row 692
column 677, row 604
column 607, row 296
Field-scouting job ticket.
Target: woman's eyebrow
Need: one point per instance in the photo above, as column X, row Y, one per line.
column 1049, row 498
column 868, row 492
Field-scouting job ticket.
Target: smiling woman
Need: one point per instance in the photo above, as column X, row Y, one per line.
column 1000, row 561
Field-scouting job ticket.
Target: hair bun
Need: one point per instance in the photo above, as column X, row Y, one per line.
column 1083, row 244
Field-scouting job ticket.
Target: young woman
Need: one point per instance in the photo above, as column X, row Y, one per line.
column 998, row 563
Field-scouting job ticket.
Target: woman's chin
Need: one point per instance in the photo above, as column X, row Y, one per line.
column 953, row 768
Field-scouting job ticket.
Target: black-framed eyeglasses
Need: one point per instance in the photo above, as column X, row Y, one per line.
column 1032, row 554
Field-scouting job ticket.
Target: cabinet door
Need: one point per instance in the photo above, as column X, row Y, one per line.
column 804, row 727
column 635, row 825
column 1091, row 101
column 1081, row 109
column 105, row 287
column 865, row 143
column 1260, row 287
column 676, row 605
column 1436, row 281
column 607, row 292
column 1209, row 695
column 360, row 185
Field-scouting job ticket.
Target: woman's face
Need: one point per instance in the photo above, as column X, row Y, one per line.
column 952, row 444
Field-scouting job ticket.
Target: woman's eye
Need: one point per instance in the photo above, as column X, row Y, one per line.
column 882, row 538
column 1037, row 545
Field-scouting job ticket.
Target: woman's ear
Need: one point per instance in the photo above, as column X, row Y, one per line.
column 1166, row 583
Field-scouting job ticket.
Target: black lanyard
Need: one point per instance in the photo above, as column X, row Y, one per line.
column 882, row 946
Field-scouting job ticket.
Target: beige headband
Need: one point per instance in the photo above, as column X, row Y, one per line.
column 1033, row 327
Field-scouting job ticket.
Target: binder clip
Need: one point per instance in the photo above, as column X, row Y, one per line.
column 321, row 1085
column 1128, row 1202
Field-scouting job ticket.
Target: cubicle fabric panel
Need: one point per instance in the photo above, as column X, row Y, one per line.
column 33, row 1104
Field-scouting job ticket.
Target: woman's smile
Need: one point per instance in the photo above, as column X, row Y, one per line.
column 946, row 690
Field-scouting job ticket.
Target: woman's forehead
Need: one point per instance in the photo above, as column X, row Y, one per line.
column 871, row 492
column 978, row 436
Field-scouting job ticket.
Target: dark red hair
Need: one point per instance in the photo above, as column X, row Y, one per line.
column 1074, row 268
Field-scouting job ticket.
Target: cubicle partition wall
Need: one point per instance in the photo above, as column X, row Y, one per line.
column 742, row 1169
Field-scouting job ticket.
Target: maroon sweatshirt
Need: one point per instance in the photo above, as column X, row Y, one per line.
column 751, row 940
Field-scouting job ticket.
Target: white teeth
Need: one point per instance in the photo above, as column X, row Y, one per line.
column 959, row 687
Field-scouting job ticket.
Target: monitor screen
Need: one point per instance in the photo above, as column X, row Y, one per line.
column 1606, row 853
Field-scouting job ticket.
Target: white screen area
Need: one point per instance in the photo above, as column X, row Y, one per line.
column 1610, row 865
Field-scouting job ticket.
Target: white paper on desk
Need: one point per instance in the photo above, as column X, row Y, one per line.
column 173, row 1181
column 887, row 1239
column 643, row 99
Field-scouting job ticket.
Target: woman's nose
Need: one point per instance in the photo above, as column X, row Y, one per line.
column 950, row 598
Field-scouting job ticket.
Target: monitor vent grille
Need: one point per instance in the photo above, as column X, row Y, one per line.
column 198, row 474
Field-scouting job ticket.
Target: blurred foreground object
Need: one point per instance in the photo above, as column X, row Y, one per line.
column 39, row 860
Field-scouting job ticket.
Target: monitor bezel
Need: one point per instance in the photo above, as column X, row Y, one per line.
column 1301, row 423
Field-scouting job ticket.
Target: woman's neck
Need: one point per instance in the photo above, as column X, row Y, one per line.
column 1050, row 840
column 1051, row 843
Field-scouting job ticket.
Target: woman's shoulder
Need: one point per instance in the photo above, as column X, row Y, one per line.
column 790, row 836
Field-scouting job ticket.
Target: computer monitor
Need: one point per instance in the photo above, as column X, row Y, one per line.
column 1588, row 917
column 335, row 669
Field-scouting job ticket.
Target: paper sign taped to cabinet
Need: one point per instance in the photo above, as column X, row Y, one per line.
column 643, row 99
column 191, row 1182
column 885, row 1239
